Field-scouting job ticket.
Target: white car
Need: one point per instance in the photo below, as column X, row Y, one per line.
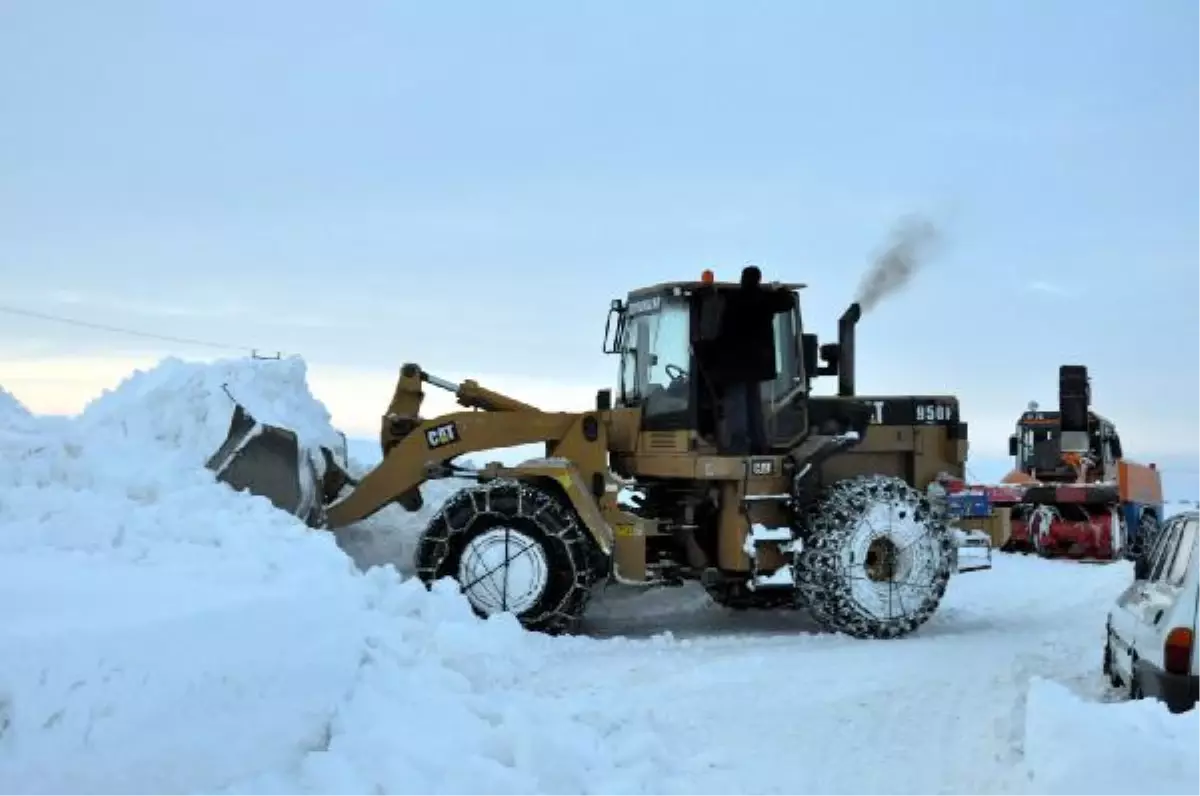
column 1151, row 646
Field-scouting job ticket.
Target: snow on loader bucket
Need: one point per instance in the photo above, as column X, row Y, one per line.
column 269, row 461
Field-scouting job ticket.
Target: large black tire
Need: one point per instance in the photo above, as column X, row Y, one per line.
column 877, row 558
column 513, row 547
column 1107, row 667
column 1143, row 540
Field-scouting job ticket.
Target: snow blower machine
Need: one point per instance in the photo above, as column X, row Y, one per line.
column 1072, row 494
column 822, row 505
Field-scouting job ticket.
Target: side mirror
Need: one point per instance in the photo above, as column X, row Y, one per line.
column 831, row 355
column 614, row 329
column 1116, row 448
column 1012, row 445
column 809, row 351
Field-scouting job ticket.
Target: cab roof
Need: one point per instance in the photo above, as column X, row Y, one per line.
column 1052, row 417
column 669, row 287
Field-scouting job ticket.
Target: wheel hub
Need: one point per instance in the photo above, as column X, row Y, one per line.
column 889, row 565
column 503, row 569
column 882, row 559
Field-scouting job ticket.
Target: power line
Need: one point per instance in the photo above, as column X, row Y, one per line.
column 45, row 316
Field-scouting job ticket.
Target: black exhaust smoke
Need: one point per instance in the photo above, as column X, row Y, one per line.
column 912, row 240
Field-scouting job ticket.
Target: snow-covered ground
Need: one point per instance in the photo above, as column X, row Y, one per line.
column 160, row 633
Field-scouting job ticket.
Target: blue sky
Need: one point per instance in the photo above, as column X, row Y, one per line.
column 468, row 184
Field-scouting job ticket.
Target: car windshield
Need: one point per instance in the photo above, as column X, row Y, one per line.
column 654, row 346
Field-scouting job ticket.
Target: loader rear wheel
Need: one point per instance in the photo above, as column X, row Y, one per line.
column 514, row 548
column 877, row 558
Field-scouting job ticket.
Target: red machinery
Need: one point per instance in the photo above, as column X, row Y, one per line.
column 1071, row 492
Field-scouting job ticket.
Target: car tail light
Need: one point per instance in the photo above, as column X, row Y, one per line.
column 1177, row 650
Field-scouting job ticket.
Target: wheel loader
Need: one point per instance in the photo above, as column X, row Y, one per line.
column 831, row 513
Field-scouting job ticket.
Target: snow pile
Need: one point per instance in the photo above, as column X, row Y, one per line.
column 11, row 410
column 163, row 633
column 1077, row 746
column 14, row 417
column 186, row 406
column 126, row 479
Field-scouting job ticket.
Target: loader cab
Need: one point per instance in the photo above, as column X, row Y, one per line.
column 656, row 334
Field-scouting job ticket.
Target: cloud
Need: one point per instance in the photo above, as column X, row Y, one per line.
column 1039, row 286
column 156, row 309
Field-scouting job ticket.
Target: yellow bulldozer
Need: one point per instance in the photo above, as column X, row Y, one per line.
column 827, row 508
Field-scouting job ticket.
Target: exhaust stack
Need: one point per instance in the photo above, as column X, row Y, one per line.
column 846, row 326
column 1074, row 400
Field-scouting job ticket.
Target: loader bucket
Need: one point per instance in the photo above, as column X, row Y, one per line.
column 268, row 461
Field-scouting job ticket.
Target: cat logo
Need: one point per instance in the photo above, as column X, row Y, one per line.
column 440, row 436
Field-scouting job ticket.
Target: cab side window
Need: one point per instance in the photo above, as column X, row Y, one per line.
column 1183, row 553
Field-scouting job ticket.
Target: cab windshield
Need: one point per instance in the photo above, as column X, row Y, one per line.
column 1038, row 446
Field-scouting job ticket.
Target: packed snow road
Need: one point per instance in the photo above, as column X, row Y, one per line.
column 164, row 634
column 761, row 703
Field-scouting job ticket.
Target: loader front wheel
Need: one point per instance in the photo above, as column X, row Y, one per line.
column 514, row 548
column 877, row 559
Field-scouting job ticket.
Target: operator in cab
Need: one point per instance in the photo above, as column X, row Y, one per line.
column 742, row 357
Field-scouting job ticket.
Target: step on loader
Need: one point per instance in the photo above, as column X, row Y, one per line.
column 825, row 508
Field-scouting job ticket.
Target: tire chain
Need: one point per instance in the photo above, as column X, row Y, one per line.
column 505, row 498
column 826, row 589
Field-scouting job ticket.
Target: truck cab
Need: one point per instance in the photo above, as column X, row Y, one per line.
column 1038, row 450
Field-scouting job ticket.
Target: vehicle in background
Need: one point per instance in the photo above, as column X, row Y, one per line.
column 1072, row 491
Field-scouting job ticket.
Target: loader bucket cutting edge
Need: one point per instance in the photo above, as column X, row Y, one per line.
column 267, row 461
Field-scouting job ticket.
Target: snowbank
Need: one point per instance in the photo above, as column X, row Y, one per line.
column 163, row 633
column 1076, row 746
column 11, row 410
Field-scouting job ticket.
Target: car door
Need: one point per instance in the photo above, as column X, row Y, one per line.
column 1163, row 589
column 1128, row 615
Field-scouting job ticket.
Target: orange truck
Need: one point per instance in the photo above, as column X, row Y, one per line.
column 1072, row 491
